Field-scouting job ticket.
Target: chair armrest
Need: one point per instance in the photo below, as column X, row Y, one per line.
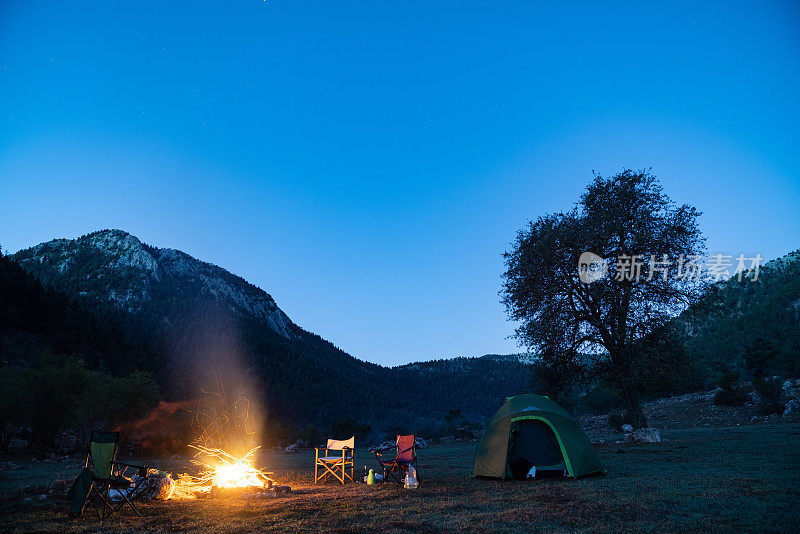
column 142, row 468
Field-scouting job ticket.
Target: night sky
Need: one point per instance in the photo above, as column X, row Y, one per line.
column 367, row 163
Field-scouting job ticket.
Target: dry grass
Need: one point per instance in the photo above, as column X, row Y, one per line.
column 731, row 479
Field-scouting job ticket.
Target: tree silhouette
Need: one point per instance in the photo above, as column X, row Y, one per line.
column 564, row 319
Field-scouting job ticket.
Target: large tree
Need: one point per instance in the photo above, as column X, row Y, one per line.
column 607, row 320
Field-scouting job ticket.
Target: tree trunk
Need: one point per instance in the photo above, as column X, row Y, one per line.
column 633, row 408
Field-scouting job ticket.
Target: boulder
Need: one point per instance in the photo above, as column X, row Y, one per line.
column 791, row 390
column 296, row 446
column 66, row 441
column 792, row 409
column 391, row 445
column 627, row 428
column 385, row 446
column 644, row 435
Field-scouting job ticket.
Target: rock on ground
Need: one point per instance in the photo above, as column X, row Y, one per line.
column 644, row 435
column 389, row 445
column 792, row 409
column 296, row 446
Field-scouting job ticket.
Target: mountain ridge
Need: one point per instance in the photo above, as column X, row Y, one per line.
column 189, row 308
column 152, row 265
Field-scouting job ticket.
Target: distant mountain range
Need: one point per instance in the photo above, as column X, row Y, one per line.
column 193, row 315
column 122, row 305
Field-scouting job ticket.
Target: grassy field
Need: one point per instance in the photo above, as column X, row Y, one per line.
column 705, row 479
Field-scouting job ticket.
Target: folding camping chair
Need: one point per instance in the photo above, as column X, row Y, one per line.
column 101, row 474
column 333, row 464
column 406, row 457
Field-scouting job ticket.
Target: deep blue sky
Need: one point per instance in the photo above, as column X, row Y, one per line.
column 367, row 163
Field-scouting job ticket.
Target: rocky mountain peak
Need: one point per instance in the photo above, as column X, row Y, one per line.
column 124, row 247
column 115, row 267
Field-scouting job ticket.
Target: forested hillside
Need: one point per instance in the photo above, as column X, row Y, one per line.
column 483, row 382
column 62, row 367
column 750, row 327
column 37, row 322
column 120, row 305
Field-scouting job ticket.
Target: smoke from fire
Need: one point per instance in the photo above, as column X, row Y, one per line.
column 211, row 364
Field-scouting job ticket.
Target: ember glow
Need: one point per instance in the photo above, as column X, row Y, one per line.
column 221, row 470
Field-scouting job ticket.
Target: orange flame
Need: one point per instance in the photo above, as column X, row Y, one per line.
column 221, row 470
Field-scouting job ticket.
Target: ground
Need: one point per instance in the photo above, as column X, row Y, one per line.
column 693, row 410
column 741, row 478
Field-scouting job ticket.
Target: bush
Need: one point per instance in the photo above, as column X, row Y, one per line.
column 311, row 434
column 61, row 394
column 732, row 392
column 13, row 389
column 770, row 395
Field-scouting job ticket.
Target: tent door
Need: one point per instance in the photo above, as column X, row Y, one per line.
column 532, row 443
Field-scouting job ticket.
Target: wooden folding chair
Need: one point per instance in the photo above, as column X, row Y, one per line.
column 333, row 464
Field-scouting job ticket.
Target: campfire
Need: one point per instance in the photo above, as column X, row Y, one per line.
column 220, row 473
column 223, row 426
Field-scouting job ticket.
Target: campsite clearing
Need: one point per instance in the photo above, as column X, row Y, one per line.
column 732, row 478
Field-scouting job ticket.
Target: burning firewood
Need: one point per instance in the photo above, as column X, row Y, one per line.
column 156, row 486
column 221, row 473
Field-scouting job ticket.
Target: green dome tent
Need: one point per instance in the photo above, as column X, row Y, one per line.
column 531, row 431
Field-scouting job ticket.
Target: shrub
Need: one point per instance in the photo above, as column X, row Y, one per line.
column 732, row 392
column 770, row 395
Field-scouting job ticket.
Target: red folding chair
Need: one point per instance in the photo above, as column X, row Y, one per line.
column 405, row 458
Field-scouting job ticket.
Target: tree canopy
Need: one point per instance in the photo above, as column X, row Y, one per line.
column 641, row 246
